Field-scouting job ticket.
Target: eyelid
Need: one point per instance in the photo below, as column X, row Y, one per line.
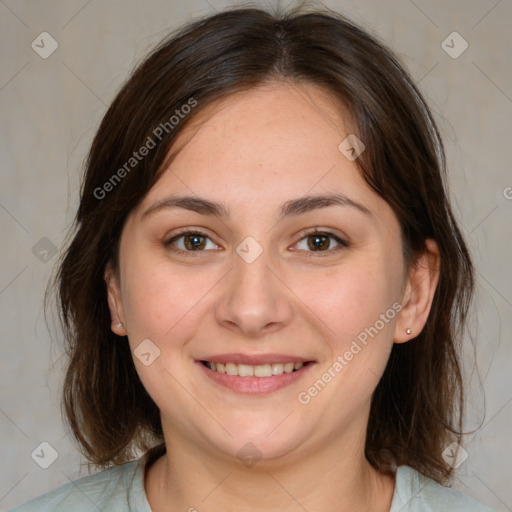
column 190, row 230
column 323, row 231
column 341, row 240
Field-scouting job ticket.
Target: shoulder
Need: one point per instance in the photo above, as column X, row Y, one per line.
column 106, row 490
column 415, row 492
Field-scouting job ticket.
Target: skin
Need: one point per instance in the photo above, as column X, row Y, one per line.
column 254, row 151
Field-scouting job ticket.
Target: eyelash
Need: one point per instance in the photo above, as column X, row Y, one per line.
column 342, row 244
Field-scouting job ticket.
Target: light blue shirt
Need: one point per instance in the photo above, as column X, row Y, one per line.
column 121, row 489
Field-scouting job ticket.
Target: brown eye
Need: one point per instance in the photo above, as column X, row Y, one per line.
column 194, row 242
column 190, row 241
column 324, row 242
column 318, row 242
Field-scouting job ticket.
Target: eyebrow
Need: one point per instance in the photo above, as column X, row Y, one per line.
column 298, row 206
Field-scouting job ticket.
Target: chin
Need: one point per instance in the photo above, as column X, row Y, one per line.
column 260, row 445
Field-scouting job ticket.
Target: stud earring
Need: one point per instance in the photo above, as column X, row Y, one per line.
column 408, row 331
column 120, row 324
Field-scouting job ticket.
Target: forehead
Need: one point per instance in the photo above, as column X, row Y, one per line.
column 273, row 115
column 271, row 143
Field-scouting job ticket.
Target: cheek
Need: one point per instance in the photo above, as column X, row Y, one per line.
column 160, row 298
column 359, row 307
column 164, row 303
column 351, row 298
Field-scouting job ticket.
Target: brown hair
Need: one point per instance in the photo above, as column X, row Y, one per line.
column 417, row 406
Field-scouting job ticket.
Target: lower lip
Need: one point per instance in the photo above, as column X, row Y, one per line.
column 255, row 385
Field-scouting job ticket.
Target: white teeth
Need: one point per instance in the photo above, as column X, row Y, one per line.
column 259, row 370
column 277, row 369
column 244, row 370
column 288, row 368
column 231, row 369
column 263, row 370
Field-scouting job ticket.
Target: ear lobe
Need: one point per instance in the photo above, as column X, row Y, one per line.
column 419, row 294
column 115, row 304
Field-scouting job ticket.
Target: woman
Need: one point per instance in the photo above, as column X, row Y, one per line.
column 264, row 228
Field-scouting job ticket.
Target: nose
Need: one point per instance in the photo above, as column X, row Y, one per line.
column 254, row 300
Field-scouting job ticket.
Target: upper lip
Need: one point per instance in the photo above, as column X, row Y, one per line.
column 255, row 359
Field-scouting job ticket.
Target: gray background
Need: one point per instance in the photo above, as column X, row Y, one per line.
column 51, row 108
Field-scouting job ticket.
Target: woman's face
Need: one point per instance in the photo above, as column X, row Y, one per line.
column 256, row 286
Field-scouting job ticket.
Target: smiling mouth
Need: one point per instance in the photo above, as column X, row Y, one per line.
column 259, row 370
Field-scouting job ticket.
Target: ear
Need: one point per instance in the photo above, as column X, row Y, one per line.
column 115, row 303
column 418, row 294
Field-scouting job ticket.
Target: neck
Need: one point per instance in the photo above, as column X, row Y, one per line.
column 337, row 478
